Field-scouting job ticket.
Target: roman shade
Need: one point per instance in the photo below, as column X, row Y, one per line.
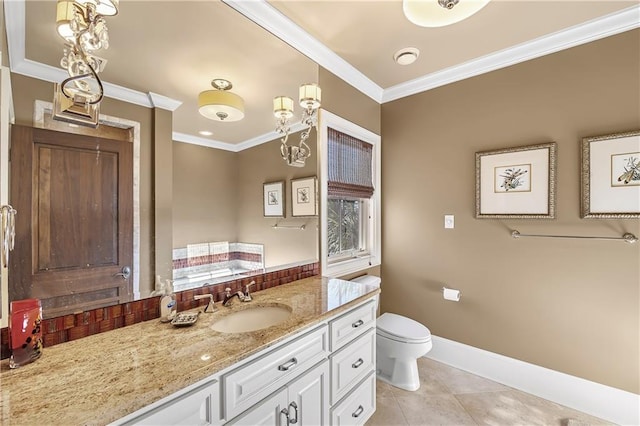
column 349, row 166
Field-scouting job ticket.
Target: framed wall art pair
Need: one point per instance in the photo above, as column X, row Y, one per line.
column 303, row 198
column 520, row 182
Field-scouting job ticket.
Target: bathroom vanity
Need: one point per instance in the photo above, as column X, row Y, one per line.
column 315, row 367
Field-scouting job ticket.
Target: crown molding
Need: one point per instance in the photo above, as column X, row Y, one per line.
column 269, row 18
column 164, row 102
column 606, row 26
column 268, row 137
column 15, row 16
column 196, row 140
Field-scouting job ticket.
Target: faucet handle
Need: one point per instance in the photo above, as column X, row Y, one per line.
column 210, row 306
column 247, row 296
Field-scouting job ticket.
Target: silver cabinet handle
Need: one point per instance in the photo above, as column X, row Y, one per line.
column 295, row 411
column 286, row 414
column 358, row 411
column 358, row 363
column 287, row 365
column 357, row 324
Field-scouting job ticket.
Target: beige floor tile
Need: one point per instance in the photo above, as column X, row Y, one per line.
column 427, row 410
column 556, row 414
column 388, row 413
column 383, row 390
column 457, row 381
column 499, row 408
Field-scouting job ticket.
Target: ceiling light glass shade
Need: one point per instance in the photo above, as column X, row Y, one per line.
column 221, row 105
column 103, row 7
column 433, row 13
column 64, row 16
column 283, row 107
column 310, row 96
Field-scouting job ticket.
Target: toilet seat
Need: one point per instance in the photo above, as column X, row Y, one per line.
column 402, row 329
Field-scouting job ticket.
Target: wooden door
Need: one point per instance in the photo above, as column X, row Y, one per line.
column 74, row 227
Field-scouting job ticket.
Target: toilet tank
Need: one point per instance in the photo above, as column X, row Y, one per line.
column 371, row 280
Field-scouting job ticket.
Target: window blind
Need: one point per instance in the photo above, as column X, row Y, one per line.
column 350, row 166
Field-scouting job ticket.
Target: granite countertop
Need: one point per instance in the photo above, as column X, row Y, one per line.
column 104, row 377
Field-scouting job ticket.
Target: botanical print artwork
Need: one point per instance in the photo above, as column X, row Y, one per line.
column 303, row 195
column 515, row 178
column 272, row 198
column 625, row 169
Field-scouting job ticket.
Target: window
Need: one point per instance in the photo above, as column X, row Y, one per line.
column 350, row 196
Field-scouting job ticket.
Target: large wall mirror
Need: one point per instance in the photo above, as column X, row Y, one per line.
column 217, row 194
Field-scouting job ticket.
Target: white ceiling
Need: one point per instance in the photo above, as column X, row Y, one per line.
column 163, row 53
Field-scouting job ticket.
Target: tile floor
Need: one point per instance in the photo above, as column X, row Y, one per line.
column 448, row 396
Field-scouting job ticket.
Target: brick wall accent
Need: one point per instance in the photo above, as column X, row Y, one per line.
column 76, row 326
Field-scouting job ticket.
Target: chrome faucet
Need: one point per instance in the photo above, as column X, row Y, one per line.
column 228, row 296
column 243, row 297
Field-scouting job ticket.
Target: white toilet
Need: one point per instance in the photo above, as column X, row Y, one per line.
column 400, row 341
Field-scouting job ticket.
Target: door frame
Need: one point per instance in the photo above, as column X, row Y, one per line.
column 42, row 108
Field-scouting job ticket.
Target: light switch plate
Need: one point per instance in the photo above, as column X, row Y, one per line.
column 449, row 222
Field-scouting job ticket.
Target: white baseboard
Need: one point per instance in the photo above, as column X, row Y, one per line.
column 598, row 400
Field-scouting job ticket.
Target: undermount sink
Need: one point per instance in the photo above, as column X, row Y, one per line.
column 252, row 319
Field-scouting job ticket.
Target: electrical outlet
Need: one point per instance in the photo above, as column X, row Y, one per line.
column 449, row 222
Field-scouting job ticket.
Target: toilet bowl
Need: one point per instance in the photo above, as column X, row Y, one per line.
column 400, row 341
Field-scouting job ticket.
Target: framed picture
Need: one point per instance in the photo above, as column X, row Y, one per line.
column 274, row 199
column 516, row 183
column 303, row 197
column 610, row 178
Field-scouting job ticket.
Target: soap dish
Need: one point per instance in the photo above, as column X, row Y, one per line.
column 185, row 319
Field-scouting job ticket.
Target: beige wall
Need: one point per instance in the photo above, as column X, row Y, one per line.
column 262, row 164
column 569, row 305
column 349, row 103
column 204, row 194
column 218, row 197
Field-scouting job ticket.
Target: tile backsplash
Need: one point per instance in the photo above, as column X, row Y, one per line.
column 76, row 326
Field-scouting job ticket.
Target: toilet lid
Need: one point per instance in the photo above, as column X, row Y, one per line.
column 403, row 328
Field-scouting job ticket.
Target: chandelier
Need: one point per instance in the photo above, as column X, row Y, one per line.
column 438, row 13
column 309, row 99
column 82, row 26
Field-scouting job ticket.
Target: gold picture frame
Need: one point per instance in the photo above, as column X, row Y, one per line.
column 610, row 177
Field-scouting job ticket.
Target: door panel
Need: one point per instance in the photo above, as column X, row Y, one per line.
column 74, row 196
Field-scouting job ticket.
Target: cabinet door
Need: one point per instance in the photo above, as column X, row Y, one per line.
column 198, row 407
column 309, row 397
column 266, row 413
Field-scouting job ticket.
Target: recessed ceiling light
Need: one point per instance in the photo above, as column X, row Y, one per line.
column 406, row 56
column 205, row 133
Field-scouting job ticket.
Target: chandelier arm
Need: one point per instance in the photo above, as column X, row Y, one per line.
column 306, row 148
column 283, row 148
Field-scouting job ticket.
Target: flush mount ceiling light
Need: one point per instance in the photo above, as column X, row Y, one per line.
column 406, row 56
column 82, row 25
column 309, row 97
column 439, row 13
column 220, row 104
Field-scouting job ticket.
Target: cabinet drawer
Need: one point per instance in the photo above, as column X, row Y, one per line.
column 255, row 380
column 356, row 408
column 351, row 364
column 352, row 324
column 200, row 406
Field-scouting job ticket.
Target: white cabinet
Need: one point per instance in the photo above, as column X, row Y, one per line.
column 199, row 406
column 253, row 381
column 270, row 412
column 319, row 377
column 356, row 408
column 303, row 402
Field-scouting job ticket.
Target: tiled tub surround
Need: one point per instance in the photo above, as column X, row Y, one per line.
column 72, row 327
column 104, row 377
column 214, row 261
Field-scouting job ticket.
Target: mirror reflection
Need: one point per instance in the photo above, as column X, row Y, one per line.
column 215, row 222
